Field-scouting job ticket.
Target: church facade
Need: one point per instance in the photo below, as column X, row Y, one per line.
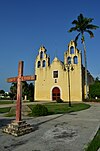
column 60, row 80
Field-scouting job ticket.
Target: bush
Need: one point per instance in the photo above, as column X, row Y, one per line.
column 31, row 99
column 39, row 110
column 59, row 101
column 91, row 100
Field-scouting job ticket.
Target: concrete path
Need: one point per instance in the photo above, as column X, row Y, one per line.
column 68, row 132
column 23, row 103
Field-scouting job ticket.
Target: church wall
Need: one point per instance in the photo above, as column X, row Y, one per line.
column 76, row 84
column 46, row 82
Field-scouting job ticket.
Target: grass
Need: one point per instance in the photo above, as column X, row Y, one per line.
column 5, row 109
column 9, row 114
column 53, row 108
column 12, row 112
column 94, row 145
column 60, row 108
column 6, row 102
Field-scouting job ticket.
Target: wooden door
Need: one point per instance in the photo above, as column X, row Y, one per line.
column 55, row 93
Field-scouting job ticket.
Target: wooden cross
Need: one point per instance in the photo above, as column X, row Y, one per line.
column 19, row 79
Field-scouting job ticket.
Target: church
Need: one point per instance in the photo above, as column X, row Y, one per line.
column 60, row 80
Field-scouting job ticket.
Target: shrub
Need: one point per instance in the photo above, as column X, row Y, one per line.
column 39, row 110
column 31, row 99
column 91, row 100
column 59, row 101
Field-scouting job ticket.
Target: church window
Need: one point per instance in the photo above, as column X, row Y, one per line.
column 75, row 59
column 41, row 54
column 71, row 50
column 55, row 74
column 38, row 64
column 55, row 80
column 43, row 63
column 69, row 60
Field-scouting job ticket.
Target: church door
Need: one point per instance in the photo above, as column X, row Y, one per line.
column 55, row 93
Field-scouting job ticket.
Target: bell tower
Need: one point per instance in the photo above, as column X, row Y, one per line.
column 72, row 55
column 42, row 60
column 42, row 64
column 73, row 64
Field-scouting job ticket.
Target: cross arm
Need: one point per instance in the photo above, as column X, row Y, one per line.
column 28, row 78
column 13, row 79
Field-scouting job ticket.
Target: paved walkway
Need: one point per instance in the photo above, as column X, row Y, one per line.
column 23, row 103
column 63, row 132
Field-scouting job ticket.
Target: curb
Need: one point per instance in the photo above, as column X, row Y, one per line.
column 91, row 138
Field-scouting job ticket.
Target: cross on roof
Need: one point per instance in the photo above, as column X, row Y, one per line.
column 19, row 79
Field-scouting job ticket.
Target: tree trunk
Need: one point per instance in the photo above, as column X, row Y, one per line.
column 85, row 63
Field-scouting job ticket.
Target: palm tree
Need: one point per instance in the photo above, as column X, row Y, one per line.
column 82, row 25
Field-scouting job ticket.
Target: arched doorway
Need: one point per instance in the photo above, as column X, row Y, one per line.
column 55, row 93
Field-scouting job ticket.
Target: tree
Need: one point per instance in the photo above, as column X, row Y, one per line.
column 27, row 89
column 82, row 25
column 2, row 92
column 31, row 92
column 94, row 89
column 13, row 90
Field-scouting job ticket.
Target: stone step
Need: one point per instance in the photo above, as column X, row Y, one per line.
column 18, row 128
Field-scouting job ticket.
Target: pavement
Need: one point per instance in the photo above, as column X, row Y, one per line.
column 61, row 132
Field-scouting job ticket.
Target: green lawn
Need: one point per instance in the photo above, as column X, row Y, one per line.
column 6, row 102
column 94, row 145
column 60, row 108
column 5, row 109
column 53, row 108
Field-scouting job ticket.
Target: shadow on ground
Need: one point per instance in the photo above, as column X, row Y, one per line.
column 36, row 126
column 4, row 122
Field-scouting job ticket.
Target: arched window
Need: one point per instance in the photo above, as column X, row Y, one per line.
column 69, row 60
column 43, row 63
column 38, row 64
column 75, row 59
column 71, row 50
column 41, row 54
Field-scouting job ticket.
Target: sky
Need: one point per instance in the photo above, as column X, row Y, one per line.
column 26, row 25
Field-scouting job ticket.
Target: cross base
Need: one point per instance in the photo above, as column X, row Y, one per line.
column 18, row 128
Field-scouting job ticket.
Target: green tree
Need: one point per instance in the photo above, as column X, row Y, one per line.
column 82, row 25
column 31, row 92
column 2, row 92
column 13, row 91
column 27, row 89
column 94, row 89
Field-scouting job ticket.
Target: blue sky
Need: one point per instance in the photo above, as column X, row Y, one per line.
column 25, row 25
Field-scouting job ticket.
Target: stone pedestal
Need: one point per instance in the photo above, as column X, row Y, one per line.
column 18, row 128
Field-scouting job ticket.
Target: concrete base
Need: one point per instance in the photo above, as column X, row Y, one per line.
column 18, row 128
